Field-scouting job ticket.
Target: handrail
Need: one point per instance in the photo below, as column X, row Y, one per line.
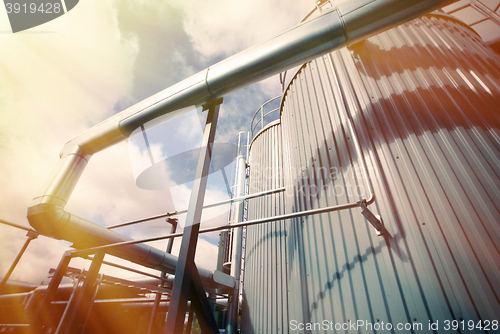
column 174, row 213
column 262, row 115
column 359, row 204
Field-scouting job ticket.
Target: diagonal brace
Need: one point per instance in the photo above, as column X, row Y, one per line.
column 375, row 220
column 186, row 275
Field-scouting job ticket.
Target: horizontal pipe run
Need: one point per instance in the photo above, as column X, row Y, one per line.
column 138, row 285
column 13, row 287
column 344, row 25
column 227, row 227
column 167, row 279
column 295, row 46
column 64, row 290
column 115, row 301
column 219, row 301
column 170, row 214
column 14, row 325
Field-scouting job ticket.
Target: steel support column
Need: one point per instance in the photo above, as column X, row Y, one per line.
column 84, row 297
column 187, row 280
column 68, row 307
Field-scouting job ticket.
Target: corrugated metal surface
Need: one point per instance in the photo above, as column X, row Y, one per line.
column 424, row 98
column 265, row 299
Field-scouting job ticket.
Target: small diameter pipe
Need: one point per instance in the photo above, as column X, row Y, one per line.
column 226, row 227
column 15, row 225
column 239, row 208
column 168, row 279
column 156, row 304
column 175, row 213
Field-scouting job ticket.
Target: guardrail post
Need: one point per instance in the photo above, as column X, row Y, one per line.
column 81, row 308
column 40, row 322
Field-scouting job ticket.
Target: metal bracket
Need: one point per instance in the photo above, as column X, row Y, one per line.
column 375, row 220
column 212, row 103
column 225, row 279
column 32, row 234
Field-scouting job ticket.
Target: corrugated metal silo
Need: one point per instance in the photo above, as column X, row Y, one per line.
column 423, row 99
column 265, row 294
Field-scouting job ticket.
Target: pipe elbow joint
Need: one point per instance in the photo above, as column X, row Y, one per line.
column 48, row 218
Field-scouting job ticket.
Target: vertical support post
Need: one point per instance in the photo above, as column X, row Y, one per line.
column 31, row 235
column 239, row 210
column 39, row 321
column 92, row 300
column 156, row 304
column 38, row 324
column 71, row 299
column 262, row 117
column 187, row 281
column 170, row 245
column 221, row 253
column 221, row 259
column 82, row 303
column 190, row 320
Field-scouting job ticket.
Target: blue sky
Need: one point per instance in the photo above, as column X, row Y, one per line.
column 61, row 78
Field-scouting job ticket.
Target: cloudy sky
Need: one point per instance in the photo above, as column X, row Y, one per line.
column 63, row 77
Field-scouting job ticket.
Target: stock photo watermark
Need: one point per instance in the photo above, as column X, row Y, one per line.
column 27, row 14
column 364, row 325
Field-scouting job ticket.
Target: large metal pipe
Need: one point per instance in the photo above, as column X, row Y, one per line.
column 347, row 23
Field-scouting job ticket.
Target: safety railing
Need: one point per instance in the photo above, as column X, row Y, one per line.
column 266, row 116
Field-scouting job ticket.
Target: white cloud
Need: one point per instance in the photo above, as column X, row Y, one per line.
column 224, row 27
column 182, row 196
column 59, row 79
column 55, row 81
column 140, row 159
column 271, row 86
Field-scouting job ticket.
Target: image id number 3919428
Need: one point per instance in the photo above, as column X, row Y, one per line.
column 480, row 325
column 33, row 8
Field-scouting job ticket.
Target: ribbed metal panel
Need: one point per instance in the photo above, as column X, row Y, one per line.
column 424, row 99
column 265, row 300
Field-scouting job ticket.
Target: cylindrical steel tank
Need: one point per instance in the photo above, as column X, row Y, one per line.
column 265, row 244
column 424, row 100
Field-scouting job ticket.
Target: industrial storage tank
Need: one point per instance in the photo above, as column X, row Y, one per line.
column 403, row 125
column 265, row 293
